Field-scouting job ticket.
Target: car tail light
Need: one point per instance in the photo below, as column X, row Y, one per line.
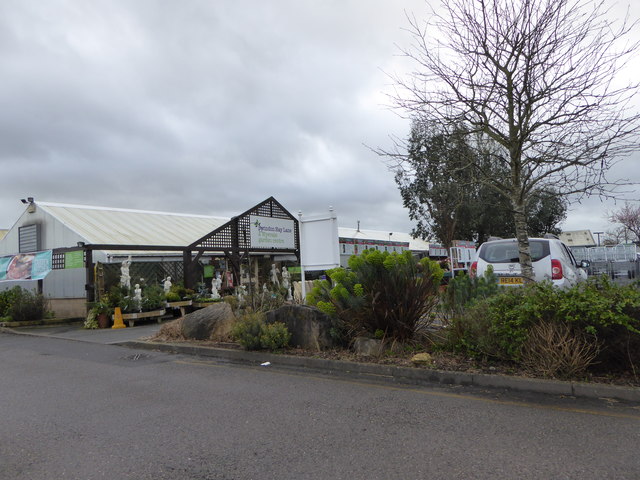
column 473, row 270
column 556, row 270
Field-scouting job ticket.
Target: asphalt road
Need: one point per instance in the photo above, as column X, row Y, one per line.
column 73, row 410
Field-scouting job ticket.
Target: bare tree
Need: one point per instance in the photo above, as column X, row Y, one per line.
column 537, row 80
column 629, row 217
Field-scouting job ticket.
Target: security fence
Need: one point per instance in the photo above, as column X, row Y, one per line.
column 616, row 261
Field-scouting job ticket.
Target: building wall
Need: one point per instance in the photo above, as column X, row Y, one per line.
column 69, row 307
column 53, row 234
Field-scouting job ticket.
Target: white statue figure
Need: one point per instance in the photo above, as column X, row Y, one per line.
column 241, row 292
column 264, row 288
column 167, row 284
column 289, row 294
column 125, row 278
column 215, row 294
column 286, row 278
column 137, row 297
column 218, row 281
column 274, row 275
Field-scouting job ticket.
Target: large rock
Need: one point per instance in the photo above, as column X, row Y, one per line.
column 210, row 323
column 368, row 347
column 309, row 327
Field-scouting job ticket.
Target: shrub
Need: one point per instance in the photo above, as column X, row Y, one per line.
column 555, row 350
column 464, row 290
column 605, row 314
column 232, row 301
column 118, row 296
column 252, row 333
column 153, row 298
column 275, row 336
column 383, row 291
column 27, row 306
column 248, row 329
column 173, row 297
column 7, row 298
column 91, row 322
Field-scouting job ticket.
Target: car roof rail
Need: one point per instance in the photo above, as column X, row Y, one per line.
column 551, row 235
column 491, row 239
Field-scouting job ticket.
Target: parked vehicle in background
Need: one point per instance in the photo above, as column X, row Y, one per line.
column 551, row 260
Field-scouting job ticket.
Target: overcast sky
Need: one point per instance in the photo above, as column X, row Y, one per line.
column 208, row 107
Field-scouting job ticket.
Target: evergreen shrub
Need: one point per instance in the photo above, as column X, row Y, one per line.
column 389, row 292
column 606, row 315
column 253, row 333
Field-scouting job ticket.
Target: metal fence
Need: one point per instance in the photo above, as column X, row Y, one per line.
column 149, row 273
column 620, row 261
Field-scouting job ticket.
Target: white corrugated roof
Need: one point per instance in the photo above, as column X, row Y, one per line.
column 118, row 226
column 415, row 244
column 578, row 238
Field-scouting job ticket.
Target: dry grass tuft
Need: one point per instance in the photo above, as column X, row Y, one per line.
column 169, row 332
column 555, row 350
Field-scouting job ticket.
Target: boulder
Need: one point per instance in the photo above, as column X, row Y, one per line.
column 210, row 323
column 309, row 327
column 422, row 359
column 368, row 347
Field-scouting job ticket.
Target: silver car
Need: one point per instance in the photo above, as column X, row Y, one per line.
column 551, row 259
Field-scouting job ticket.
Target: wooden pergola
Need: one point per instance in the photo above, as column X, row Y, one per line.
column 233, row 240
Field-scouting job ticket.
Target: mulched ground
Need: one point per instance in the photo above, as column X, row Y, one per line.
column 446, row 361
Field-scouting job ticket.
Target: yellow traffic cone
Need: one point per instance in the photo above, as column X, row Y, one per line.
column 117, row 319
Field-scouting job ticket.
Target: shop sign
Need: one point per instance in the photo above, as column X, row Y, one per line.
column 268, row 232
column 74, row 259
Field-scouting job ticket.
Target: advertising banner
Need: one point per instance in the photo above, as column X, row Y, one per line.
column 268, row 232
column 26, row 266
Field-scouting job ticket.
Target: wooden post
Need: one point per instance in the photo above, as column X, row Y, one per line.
column 186, row 260
column 89, row 286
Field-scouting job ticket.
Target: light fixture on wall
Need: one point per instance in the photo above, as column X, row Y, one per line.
column 30, row 202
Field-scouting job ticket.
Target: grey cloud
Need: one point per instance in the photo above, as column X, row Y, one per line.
column 201, row 106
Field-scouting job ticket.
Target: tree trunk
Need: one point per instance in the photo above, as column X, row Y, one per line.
column 524, row 252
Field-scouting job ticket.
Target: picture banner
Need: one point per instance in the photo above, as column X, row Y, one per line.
column 26, row 266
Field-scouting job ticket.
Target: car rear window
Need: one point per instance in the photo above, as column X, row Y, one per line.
column 507, row 252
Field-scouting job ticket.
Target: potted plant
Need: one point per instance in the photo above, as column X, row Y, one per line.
column 99, row 314
column 103, row 312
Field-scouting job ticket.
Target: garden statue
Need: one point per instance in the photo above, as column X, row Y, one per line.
column 286, row 278
column 167, row 285
column 274, row 275
column 137, row 297
column 125, row 278
column 241, row 293
column 215, row 294
column 218, row 281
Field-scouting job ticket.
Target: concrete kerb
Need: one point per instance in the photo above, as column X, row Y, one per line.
column 401, row 375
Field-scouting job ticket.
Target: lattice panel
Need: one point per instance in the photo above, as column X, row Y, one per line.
column 223, row 239
column 57, row 261
column 220, row 240
column 153, row 273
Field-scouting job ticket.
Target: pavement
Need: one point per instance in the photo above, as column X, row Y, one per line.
column 137, row 337
column 106, row 336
